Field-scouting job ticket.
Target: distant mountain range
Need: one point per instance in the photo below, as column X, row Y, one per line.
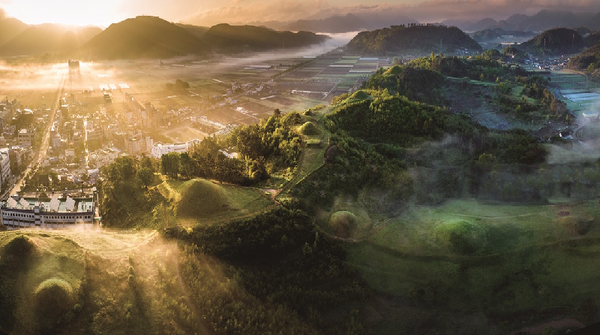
column 339, row 24
column 491, row 34
column 418, row 39
column 543, row 20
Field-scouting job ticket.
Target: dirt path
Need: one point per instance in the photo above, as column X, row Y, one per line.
column 556, row 324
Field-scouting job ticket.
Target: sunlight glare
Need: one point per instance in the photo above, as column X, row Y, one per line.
column 69, row 12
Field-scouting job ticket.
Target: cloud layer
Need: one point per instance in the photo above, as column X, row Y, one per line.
column 242, row 11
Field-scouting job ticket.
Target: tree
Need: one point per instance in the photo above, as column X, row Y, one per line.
column 169, row 164
column 145, row 176
column 187, row 166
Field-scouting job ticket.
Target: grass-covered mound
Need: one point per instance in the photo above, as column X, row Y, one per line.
column 309, row 129
column 361, row 95
column 393, row 71
column 52, row 298
column 575, row 225
column 343, row 223
column 460, row 236
column 40, row 275
column 202, row 199
column 17, row 249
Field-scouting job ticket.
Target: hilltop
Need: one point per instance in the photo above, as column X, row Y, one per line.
column 143, row 36
column 422, row 39
column 543, row 20
column 555, row 42
column 148, row 36
column 44, row 38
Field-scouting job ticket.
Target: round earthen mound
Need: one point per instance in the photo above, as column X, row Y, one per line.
column 360, row 95
column 343, row 223
column 52, row 298
column 201, row 198
column 309, row 128
column 575, row 225
column 460, row 236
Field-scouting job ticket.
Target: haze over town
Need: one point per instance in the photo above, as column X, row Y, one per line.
column 312, row 167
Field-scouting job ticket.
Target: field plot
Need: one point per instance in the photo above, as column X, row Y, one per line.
column 501, row 260
column 184, row 133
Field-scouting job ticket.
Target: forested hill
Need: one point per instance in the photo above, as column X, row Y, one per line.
column 224, row 37
column 153, row 37
column 589, row 61
column 555, row 42
column 143, row 36
column 414, row 38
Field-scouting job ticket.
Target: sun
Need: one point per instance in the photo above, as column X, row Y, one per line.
column 69, row 12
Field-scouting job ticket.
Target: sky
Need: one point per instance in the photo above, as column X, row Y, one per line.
column 209, row 12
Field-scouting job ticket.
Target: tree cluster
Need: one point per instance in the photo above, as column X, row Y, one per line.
column 265, row 148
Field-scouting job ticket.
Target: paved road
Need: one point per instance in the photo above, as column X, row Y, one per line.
column 40, row 155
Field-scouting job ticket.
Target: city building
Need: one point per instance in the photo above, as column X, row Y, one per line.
column 61, row 211
column 25, row 137
column 4, row 168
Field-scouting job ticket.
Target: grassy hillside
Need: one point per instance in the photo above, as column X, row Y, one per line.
column 483, row 262
column 202, row 201
column 420, row 39
column 266, row 274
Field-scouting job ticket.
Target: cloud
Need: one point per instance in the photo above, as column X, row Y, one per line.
column 242, row 11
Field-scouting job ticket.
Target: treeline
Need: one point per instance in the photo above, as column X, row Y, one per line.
column 278, row 259
column 483, row 68
column 417, row 84
column 126, row 200
column 395, row 119
column 270, row 146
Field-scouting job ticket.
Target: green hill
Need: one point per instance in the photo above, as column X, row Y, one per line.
column 556, row 41
column 422, row 39
column 143, row 36
column 39, row 280
column 588, row 60
column 200, row 199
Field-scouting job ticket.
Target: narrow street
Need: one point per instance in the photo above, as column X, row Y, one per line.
column 40, row 155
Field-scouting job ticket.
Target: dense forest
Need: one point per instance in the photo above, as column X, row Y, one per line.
column 414, row 38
